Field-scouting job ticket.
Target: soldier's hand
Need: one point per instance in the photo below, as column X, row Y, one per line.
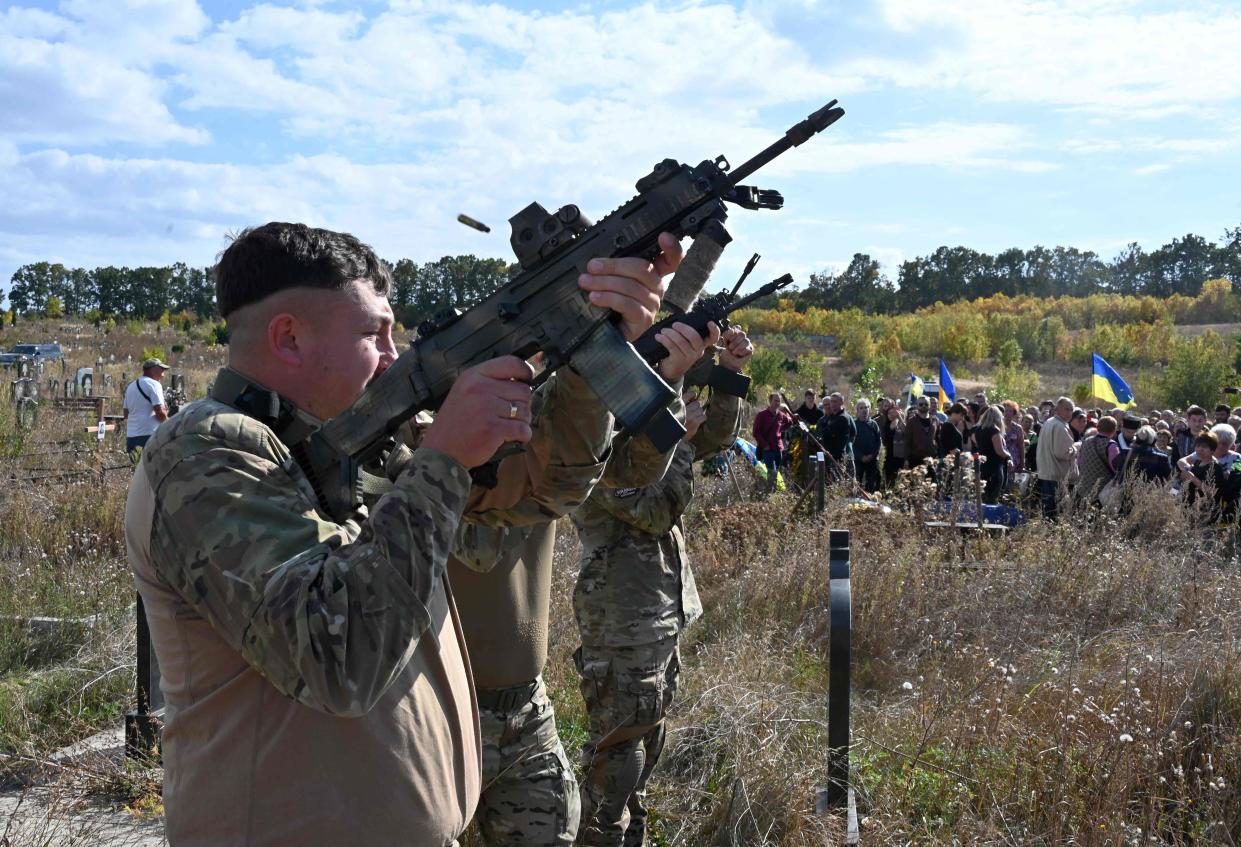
column 735, row 349
column 685, row 347
column 695, row 416
column 632, row 286
column 488, row 405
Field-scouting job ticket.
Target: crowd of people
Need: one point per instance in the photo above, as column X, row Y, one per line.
column 1051, row 456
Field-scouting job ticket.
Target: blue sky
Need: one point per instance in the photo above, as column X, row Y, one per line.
column 139, row 132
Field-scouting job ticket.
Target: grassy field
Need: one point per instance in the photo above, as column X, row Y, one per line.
column 1071, row 683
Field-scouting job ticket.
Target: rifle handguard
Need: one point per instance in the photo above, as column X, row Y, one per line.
column 700, row 260
column 727, row 381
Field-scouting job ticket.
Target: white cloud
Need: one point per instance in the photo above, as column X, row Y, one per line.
column 1111, row 57
column 82, row 78
column 391, row 123
column 944, row 144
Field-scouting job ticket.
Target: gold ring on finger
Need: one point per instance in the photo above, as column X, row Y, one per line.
column 512, row 410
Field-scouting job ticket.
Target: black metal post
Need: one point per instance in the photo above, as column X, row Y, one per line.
column 142, row 726
column 838, row 792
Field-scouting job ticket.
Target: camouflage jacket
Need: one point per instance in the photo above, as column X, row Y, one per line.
column 249, row 588
column 635, row 584
column 501, row 575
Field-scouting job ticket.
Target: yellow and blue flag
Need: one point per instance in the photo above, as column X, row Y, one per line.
column 947, row 391
column 916, row 386
column 1107, row 385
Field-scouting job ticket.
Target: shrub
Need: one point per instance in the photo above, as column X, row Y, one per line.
column 1013, row 382
column 856, row 344
column 766, row 369
column 1197, row 371
column 154, row 353
column 1009, row 354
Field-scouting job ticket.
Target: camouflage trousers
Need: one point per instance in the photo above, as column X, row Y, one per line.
column 529, row 792
column 627, row 691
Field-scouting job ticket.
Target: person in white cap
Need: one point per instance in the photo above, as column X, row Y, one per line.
column 145, row 408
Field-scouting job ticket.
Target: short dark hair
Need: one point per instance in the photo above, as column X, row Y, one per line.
column 1223, row 407
column 1207, row 439
column 1195, row 410
column 956, row 409
column 275, row 256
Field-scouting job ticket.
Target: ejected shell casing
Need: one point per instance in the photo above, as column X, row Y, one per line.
column 470, row 222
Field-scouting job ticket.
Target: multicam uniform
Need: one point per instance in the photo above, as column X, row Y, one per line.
column 501, row 578
column 635, row 593
column 316, row 680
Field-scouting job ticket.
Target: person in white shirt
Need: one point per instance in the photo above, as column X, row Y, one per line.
column 144, row 405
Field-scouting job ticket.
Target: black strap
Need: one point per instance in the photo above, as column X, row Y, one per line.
column 271, row 409
column 506, row 699
column 138, row 385
column 265, row 406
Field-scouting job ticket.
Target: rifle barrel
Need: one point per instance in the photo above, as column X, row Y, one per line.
column 749, row 266
column 796, row 135
column 770, row 288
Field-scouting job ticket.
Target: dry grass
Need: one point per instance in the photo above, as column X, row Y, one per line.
column 1080, row 684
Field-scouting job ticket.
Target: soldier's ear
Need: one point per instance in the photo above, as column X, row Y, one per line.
column 285, row 339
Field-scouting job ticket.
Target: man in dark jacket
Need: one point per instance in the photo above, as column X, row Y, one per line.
column 809, row 411
column 920, row 432
column 835, row 432
column 866, row 444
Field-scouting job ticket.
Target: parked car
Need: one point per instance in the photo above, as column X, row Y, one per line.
column 36, row 353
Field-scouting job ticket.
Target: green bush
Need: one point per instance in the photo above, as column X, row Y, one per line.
column 1009, row 354
column 1013, row 382
column 1198, row 371
column 766, row 369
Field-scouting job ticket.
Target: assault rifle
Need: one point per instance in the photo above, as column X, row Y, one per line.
column 542, row 309
column 708, row 310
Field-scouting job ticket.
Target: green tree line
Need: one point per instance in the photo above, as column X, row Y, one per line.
column 955, row 274
column 52, row 290
column 948, row 275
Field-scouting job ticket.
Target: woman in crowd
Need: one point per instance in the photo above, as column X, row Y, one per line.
column 1096, row 461
column 1078, row 424
column 894, row 461
column 1208, row 478
column 989, row 444
column 951, row 436
column 1014, row 435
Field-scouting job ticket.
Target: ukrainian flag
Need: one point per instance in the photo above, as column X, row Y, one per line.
column 916, row 386
column 947, row 391
column 1107, row 385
